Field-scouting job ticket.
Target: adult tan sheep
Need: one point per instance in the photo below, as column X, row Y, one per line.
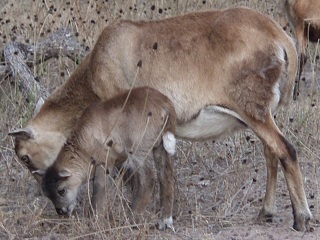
column 223, row 70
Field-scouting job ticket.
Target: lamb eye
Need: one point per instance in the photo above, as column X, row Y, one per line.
column 62, row 192
column 25, row 159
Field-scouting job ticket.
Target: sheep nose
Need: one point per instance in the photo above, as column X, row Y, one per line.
column 60, row 211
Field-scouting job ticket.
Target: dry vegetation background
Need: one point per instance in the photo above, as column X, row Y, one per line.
column 219, row 185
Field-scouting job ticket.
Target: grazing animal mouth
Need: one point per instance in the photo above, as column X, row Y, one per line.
column 66, row 211
column 61, row 211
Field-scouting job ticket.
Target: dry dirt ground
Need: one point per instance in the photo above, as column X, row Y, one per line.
column 219, row 185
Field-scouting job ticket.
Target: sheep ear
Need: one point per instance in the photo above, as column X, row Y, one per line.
column 38, row 106
column 22, row 133
column 39, row 172
column 64, row 173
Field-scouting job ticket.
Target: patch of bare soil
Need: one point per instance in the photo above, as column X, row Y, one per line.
column 223, row 193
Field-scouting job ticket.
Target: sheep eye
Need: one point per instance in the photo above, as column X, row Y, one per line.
column 62, row 192
column 25, row 159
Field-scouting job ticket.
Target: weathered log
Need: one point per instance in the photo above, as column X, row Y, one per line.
column 61, row 42
column 15, row 57
column 20, row 57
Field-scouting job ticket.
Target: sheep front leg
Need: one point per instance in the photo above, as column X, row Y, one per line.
column 98, row 198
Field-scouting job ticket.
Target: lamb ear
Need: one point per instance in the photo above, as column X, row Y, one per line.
column 64, row 173
column 22, row 133
column 39, row 172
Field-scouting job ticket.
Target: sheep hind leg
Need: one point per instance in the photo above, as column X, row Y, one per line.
column 166, row 180
column 269, row 208
column 279, row 149
column 142, row 182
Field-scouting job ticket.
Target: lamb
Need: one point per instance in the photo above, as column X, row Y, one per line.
column 129, row 132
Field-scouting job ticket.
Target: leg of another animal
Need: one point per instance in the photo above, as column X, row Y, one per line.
column 277, row 148
column 302, row 45
column 98, row 199
column 166, row 180
column 296, row 89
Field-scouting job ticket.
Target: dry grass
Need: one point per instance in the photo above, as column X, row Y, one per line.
column 220, row 185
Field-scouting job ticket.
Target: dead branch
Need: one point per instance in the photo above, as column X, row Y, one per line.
column 61, row 42
column 15, row 56
column 20, row 57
